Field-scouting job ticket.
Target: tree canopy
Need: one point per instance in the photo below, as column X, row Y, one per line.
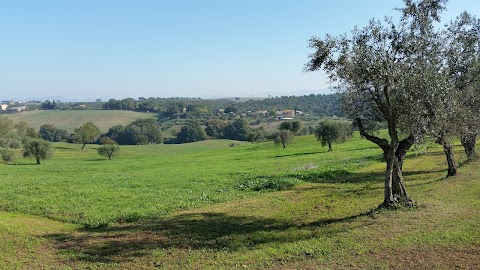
column 237, row 130
column 38, row 149
column 294, row 126
column 462, row 41
column 142, row 131
column 283, row 137
column 191, row 132
column 109, row 150
column 87, row 133
column 8, row 156
column 330, row 131
column 13, row 135
column 393, row 73
column 52, row 134
column 214, row 128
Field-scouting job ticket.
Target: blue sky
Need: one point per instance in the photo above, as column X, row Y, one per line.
column 206, row 48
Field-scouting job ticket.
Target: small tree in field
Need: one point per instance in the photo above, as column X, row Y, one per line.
column 38, row 149
column 294, row 126
column 330, row 131
column 109, row 150
column 87, row 133
column 463, row 59
column 283, row 137
column 8, row 156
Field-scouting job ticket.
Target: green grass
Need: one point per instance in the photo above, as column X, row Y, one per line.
column 72, row 119
column 151, row 181
column 254, row 206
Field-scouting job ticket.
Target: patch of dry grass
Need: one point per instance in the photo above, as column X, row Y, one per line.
column 71, row 119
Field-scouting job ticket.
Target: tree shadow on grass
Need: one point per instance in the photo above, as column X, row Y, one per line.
column 198, row 231
column 65, row 148
column 20, row 164
column 300, row 154
column 329, row 176
column 97, row 159
column 213, row 231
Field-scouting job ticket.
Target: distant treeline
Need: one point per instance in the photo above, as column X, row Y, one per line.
column 149, row 131
column 318, row 105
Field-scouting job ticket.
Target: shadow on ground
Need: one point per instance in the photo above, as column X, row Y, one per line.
column 217, row 231
column 338, row 176
column 207, row 231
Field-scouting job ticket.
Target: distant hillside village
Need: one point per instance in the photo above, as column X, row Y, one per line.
column 280, row 108
column 11, row 106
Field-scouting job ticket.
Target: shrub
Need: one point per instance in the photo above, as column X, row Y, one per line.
column 8, row 156
column 109, row 150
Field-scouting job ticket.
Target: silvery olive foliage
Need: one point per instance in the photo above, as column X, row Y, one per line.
column 462, row 54
column 404, row 74
column 38, row 149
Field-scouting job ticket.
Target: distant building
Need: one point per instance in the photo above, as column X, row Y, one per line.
column 300, row 113
column 261, row 113
column 286, row 115
column 17, row 109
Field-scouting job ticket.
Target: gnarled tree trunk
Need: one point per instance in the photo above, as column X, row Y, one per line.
column 388, row 198
column 452, row 167
column 448, row 150
column 468, row 141
column 399, row 189
column 394, row 154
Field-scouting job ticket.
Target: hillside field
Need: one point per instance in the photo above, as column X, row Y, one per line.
column 71, row 119
column 207, row 205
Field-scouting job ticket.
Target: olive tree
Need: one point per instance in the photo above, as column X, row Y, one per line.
column 87, row 133
column 8, row 135
column 388, row 72
column 38, row 149
column 283, row 137
column 6, row 126
column 109, row 150
column 25, row 132
column 294, row 126
column 330, row 131
column 463, row 59
column 13, row 135
column 459, row 114
column 256, row 135
column 8, row 156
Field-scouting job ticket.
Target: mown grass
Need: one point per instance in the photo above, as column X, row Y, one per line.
column 207, row 205
column 69, row 120
column 151, row 181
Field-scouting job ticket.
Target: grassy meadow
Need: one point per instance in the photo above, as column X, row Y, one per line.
column 69, row 120
column 253, row 206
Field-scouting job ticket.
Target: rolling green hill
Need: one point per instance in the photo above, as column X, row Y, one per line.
column 207, row 205
column 72, row 119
